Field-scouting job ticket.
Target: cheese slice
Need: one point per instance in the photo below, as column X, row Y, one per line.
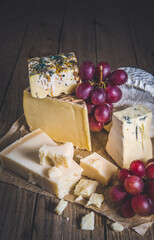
column 22, row 157
column 85, row 187
column 87, row 222
column 53, row 75
column 64, row 119
column 60, row 206
column 129, row 136
column 95, row 199
column 98, row 168
column 57, row 155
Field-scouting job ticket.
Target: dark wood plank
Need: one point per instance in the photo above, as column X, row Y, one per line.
column 14, row 17
column 41, row 38
column 16, row 212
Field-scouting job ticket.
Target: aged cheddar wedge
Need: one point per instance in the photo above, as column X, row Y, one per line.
column 57, row 155
column 129, row 136
column 22, row 157
column 53, row 75
column 64, row 119
column 85, row 187
column 98, row 168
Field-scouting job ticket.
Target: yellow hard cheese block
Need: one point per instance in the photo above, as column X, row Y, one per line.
column 98, row 168
column 22, row 157
column 64, row 118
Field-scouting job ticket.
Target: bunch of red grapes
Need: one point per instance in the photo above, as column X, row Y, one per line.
column 136, row 191
column 99, row 88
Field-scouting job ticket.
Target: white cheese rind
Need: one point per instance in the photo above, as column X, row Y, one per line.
column 98, row 168
column 85, row 187
column 87, row 222
column 129, row 138
column 60, row 207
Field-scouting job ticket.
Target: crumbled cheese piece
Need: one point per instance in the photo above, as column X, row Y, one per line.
column 87, row 222
column 85, row 187
column 60, row 207
column 54, row 172
column 117, row 227
column 96, row 199
column 79, row 198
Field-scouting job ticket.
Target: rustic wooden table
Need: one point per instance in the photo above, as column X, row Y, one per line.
column 120, row 32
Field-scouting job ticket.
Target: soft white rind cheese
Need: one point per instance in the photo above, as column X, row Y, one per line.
column 60, row 207
column 57, row 155
column 98, row 168
column 85, row 187
column 87, row 222
column 129, row 136
column 95, row 199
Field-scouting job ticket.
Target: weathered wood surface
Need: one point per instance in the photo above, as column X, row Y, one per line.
column 120, row 32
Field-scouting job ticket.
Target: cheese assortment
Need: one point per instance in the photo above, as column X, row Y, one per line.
column 98, row 168
column 63, row 118
column 22, row 157
column 53, row 75
column 129, row 136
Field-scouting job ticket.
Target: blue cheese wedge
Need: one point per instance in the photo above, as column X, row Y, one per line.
column 53, row 75
column 129, row 136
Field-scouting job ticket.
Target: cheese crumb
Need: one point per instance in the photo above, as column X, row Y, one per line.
column 60, row 207
column 87, row 222
column 117, row 227
column 85, row 187
column 96, row 199
column 79, row 198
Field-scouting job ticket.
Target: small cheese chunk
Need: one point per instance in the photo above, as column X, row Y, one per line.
column 79, row 198
column 57, row 155
column 129, row 136
column 53, row 75
column 63, row 118
column 60, row 207
column 54, row 172
column 95, row 199
column 85, row 187
column 98, row 168
column 117, row 227
column 22, row 158
column 87, row 222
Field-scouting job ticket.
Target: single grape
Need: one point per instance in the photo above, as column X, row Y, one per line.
column 137, row 168
column 127, row 210
column 98, row 96
column 123, row 174
column 150, row 170
column 95, row 126
column 152, row 208
column 149, row 161
column 102, row 113
column 150, row 188
column 105, row 70
column 133, row 184
column 87, row 71
column 83, row 90
column 114, row 94
column 118, row 77
column 141, row 204
column 90, row 106
column 110, row 105
column 117, row 193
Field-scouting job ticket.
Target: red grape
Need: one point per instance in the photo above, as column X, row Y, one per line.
column 114, row 94
column 123, row 174
column 102, row 113
column 152, row 208
column 118, row 193
column 118, row 77
column 87, row 71
column 90, row 106
column 150, row 170
column 133, row 184
column 98, row 96
column 150, row 188
column 95, row 126
column 141, row 204
column 105, row 70
column 110, row 105
column 83, row 90
column 137, row 168
column 149, row 161
column 127, row 210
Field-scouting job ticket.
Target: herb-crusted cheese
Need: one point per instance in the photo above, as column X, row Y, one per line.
column 53, row 75
column 129, row 136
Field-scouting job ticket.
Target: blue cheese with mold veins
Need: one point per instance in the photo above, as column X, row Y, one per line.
column 129, row 136
column 53, row 75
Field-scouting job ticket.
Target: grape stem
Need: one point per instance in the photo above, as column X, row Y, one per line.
column 101, row 76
